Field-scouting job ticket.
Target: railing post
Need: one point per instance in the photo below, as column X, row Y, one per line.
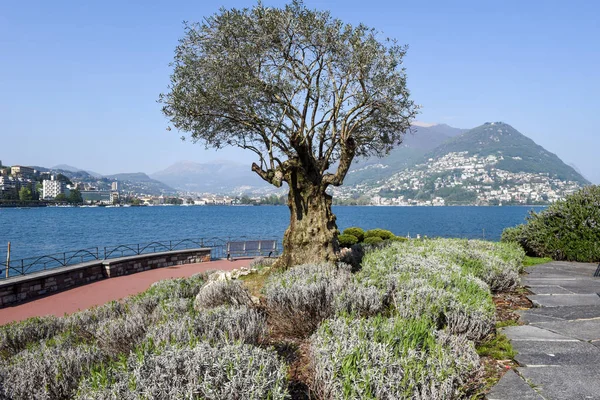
column 64, row 259
column 138, row 249
column 8, row 259
column 170, row 246
column 105, row 253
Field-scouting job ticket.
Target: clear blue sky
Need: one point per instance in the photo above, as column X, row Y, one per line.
column 79, row 79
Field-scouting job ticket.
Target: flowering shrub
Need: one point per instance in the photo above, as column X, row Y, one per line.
column 394, row 358
column 202, row 371
column 217, row 293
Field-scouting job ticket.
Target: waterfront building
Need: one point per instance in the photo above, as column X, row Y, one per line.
column 96, row 196
column 52, row 188
column 25, row 172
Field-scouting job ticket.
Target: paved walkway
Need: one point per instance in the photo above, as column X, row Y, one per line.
column 559, row 348
column 101, row 292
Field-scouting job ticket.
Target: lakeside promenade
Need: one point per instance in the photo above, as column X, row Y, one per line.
column 101, row 292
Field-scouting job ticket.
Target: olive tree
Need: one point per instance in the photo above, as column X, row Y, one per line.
column 307, row 93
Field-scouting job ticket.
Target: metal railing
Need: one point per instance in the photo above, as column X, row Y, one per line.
column 217, row 245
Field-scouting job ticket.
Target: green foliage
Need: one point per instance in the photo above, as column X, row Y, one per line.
column 357, row 232
column 61, row 197
column 373, row 240
column 531, row 261
column 430, row 285
column 25, row 194
column 75, row 197
column 498, row 347
column 567, row 230
column 513, row 234
column 347, row 240
column 380, row 233
column 389, row 358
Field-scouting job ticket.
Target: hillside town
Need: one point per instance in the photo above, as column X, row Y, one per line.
column 457, row 178
column 461, row 178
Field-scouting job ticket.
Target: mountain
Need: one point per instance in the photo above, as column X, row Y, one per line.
column 422, row 139
column 213, row 177
column 519, row 153
column 490, row 164
column 140, row 182
column 70, row 168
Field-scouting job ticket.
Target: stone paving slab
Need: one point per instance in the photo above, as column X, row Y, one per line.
column 533, row 333
column 565, row 383
column 588, row 329
column 563, row 300
column 555, row 352
column 562, row 313
column 512, row 387
column 548, row 353
column 548, row 289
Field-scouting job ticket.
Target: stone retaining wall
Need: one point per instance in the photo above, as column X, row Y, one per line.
column 29, row 287
column 131, row 265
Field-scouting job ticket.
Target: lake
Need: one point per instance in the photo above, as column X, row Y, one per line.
column 38, row 231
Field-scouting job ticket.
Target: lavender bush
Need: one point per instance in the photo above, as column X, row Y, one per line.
column 200, row 372
column 394, row 358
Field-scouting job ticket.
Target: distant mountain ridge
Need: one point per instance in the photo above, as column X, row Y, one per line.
column 416, row 143
column 211, row 177
column 521, row 154
column 490, row 164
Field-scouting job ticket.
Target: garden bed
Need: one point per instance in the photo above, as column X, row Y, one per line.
column 407, row 323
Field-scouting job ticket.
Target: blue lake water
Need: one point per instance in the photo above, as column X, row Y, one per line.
column 38, row 231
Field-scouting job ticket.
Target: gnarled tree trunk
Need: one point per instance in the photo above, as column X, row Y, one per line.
column 311, row 236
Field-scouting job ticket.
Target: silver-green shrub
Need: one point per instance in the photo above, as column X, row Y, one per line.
column 120, row 335
column 301, row 297
column 380, row 358
column 202, row 372
column 16, row 336
column 86, row 322
column 431, row 286
column 262, row 262
column 497, row 264
column 219, row 325
column 218, row 293
column 47, row 371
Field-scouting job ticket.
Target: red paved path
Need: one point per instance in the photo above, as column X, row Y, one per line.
column 101, row 292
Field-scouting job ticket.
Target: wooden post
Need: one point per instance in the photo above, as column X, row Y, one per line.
column 8, row 260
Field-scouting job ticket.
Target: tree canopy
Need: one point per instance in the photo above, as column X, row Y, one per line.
column 289, row 82
column 304, row 91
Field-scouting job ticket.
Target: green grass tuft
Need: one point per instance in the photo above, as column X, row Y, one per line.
column 498, row 347
column 531, row 261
